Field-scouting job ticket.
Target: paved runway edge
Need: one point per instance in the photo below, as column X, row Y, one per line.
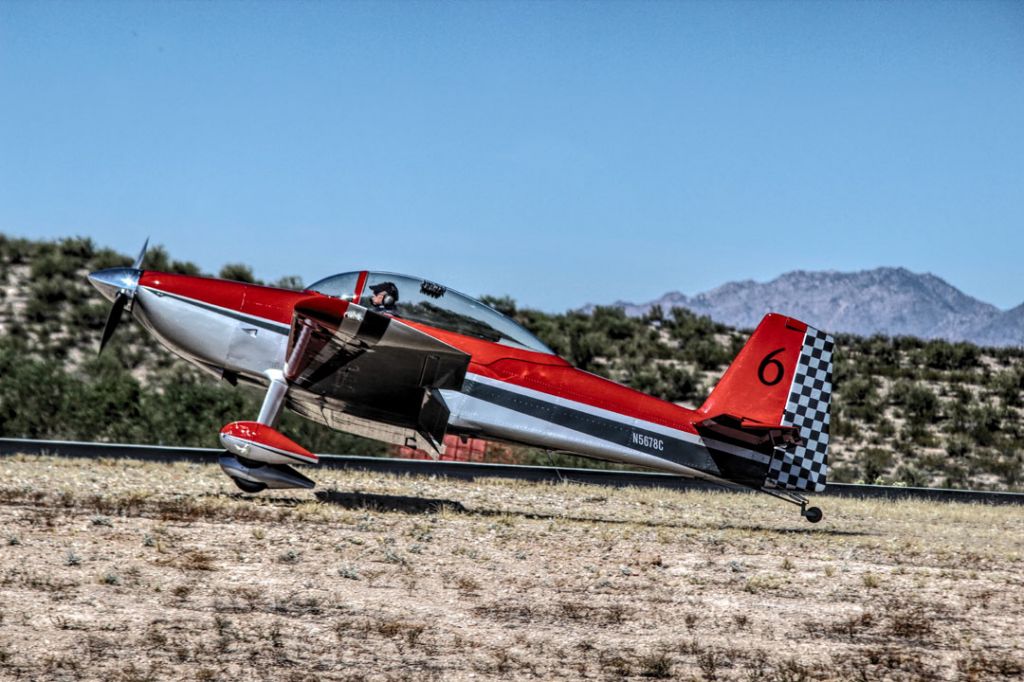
column 473, row 470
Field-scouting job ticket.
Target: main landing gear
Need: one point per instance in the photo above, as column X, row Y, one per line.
column 257, row 456
column 812, row 514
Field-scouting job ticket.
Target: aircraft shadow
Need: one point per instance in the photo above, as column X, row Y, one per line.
column 390, row 503
column 428, row 505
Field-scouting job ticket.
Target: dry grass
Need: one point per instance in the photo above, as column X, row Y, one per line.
column 175, row 576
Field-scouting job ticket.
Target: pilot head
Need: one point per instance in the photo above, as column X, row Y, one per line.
column 385, row 295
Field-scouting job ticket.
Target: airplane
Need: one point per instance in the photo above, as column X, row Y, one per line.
column 406, row 361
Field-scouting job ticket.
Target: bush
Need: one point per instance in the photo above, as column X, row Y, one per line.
column 874, row 463
column 1008, row 386
column 920, row 404
column 949, row 356
column 238, row 273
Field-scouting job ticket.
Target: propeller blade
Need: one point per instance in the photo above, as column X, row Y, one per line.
column 115, row 316
column 142, row 254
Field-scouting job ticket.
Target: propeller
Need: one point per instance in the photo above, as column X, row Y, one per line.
column 118, row 285
column 142, row 254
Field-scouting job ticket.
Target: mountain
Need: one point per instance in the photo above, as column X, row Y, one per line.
column 890, row 301
column 1005, row 330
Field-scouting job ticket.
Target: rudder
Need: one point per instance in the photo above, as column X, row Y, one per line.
column 803, row 465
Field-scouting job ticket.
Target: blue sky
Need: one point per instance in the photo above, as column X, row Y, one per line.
column 561, row 153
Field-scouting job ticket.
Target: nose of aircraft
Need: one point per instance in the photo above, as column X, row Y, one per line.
column 111, row 281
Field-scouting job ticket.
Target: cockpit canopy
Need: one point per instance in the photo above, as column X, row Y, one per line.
column 422, row 301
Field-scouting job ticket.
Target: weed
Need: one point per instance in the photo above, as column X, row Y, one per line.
column 13, row 541
column 182, row 592
column 196, row 560
column 791, row 670
column 289, row 557
column 467, row 584
column 709, row 661
column 977, row 664
column 397, row 628
column 100, row 520
column 871, row 581
column 72, row 559
column 615, row 665
column 761, row 583
column 852, row 625
column 110, row 578
column 909, row 620
column 657, row 665
column 349, row 573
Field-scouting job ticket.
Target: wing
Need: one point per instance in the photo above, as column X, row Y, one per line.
column 372, row 366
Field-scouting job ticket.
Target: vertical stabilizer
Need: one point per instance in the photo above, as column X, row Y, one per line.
column 779, row 389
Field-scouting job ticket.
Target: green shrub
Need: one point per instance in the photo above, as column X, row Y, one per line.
column 874, row 463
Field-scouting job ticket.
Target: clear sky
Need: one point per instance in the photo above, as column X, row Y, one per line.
column 558, row 152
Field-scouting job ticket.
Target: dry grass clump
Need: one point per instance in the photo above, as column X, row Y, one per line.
column 133, row 571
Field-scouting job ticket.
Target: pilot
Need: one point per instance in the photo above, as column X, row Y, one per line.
column 384, row 298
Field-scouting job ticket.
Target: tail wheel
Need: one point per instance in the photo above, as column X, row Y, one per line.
column 249, row 486
column 813, row 514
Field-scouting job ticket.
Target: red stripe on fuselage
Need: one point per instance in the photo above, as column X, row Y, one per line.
column 269, row 303
column 552, row 375
column 521, row 367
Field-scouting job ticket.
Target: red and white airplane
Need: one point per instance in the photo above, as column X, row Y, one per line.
column 405, row 361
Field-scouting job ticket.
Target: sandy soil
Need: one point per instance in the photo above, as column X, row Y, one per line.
column 121, row 570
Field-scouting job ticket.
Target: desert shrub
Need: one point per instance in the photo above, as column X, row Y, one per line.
column 292, row 282
column 912, row 476
column 920, row 405
column 1008, row 386
column 944, row 355
column 674, row 384
column 237, row 272
column 874, row 463
column 983, row 423
column 958, row 447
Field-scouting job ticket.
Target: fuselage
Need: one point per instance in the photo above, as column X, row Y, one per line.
column 239, row 331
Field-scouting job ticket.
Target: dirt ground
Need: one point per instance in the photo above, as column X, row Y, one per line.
column 123, row 570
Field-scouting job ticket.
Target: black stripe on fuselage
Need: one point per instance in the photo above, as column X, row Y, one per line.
column 672, row 449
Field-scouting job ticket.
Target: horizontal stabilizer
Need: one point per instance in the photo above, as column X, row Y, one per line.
column 750, row 431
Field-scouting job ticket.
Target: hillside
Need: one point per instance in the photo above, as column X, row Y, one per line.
column 906, row 410
column 889, row 301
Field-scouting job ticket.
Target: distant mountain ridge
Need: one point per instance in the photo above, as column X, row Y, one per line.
column 890, row 301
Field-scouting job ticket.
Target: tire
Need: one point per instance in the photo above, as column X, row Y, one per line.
column 813, row 515
column 249, row 486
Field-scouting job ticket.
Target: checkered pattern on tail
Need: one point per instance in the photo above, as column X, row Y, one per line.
column 804, row 465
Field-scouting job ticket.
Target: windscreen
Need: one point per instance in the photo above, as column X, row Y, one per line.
column 429, row 303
